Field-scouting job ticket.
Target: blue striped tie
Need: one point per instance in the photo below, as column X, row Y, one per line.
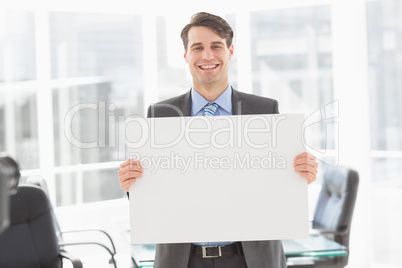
column 210, row 109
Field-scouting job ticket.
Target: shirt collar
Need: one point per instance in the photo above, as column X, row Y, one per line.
column 224, row 101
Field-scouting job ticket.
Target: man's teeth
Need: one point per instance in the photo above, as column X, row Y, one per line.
column 208, row 66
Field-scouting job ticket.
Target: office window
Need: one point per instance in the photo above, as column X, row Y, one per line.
column 96, row 72
column 173, row 78
column 85, row 119
column 101, row 57
column 292, row 63
column 384, row 35
column 17, row 46
column 98, row 60
column 291, row 57
column 18, row 120
column 88, row 186
column 25, row 127
column 385, row 67
column 19, row 126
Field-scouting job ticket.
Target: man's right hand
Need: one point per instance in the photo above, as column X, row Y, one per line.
column 129, row 171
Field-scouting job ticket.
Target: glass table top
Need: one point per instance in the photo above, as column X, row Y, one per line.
column 314, row 246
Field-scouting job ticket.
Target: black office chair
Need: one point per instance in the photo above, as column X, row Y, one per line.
column 334, row 210
column 30, row 240
column 39, row 181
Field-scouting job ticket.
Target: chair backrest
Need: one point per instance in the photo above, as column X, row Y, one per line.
column 31, row 240
column 335, row 205
column 39, row 181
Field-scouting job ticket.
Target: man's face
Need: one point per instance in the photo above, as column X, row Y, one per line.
column 208, row 57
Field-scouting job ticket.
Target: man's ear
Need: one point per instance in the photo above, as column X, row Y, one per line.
column 185, row 55
column 231, row 51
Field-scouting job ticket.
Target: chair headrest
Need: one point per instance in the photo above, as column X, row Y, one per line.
column 37, row 180
column 340, row 180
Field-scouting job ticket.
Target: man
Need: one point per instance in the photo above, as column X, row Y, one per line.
column 208, row 48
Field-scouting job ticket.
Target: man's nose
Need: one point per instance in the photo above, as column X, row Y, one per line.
column 208, row 54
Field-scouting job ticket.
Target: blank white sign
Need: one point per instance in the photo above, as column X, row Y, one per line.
column 224, row 178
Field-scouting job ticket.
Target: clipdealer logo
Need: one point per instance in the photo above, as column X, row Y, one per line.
column 321, row 125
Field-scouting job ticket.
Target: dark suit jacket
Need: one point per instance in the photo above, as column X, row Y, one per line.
column 258, row 254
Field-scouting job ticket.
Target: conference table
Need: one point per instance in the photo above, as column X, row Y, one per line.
column 314, row 246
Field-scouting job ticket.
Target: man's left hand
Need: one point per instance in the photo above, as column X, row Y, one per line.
column 307, row 165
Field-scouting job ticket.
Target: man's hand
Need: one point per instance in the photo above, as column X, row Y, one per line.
column 306, row 164
column 129, row 171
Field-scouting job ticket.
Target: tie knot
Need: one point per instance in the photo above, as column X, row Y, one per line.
column 210, row 109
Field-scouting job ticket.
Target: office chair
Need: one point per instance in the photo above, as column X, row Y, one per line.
column 30, row 240
column 41, row 182
column 332, row 216
column 334, row 210
column 9, row 177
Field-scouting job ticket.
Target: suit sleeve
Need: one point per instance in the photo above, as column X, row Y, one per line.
column 149, row 111
column 276, row 107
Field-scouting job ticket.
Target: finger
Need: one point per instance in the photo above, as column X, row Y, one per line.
column 304, row 155
column 129, row 175
column 130, row 168
column 130, row 162
column 309, row 176
column 306, row 168
column 125, row 163
column 126, row 185
column 305, row 161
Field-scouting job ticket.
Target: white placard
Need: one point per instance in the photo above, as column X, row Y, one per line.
column 223, row 178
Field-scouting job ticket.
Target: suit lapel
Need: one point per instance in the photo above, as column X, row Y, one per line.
column 238, row 103
column 185, row 104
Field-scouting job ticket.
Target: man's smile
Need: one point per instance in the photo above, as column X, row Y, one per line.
column 208, row 67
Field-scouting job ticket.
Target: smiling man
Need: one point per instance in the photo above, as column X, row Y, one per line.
column 208, row 49
column 208, row 56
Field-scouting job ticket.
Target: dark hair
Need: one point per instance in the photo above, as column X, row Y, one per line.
column 217, row 24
